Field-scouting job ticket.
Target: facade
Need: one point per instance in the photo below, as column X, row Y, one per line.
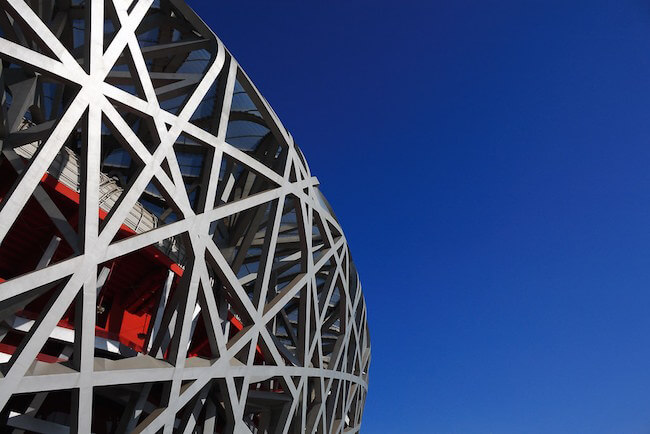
column 167, row 260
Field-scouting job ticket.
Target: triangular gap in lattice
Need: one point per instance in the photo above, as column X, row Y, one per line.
column 354, row 362
column 353, row 278
column 154, row 208
column 120, row 165
column 16, row 29
column 324, row 281
column 316, row 355
column 111, row 23
column 194, row 164
column 241, row 239
column 252, row 129
column 268, row 350
column 125, row 75
column 135, row 129
column 208, row 331
column 124, row 153
column 320, row 243
column 336, row 234
column 128, row 140
column 119, row 160
column 207, row 115
column 238, row 181
column 299, row 174
column 302, row 161
column 229, row 319
column 289, row 265
column 304, row 325
column 233, row 313
column 284, row 330
column 202, row 344
column 290, row 257
column 334, row 310
column 176, row 58
column 336, row 358
column 293, row 172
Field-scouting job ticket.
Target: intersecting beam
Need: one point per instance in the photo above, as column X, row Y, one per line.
column 167, row 219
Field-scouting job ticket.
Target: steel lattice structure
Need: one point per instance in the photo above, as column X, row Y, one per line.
column 167, row 260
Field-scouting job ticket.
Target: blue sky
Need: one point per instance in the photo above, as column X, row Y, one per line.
column 490, row 164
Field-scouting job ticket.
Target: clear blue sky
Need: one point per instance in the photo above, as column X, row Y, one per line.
column 490, row 164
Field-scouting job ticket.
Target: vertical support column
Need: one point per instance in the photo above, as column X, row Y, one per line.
column 86, row 309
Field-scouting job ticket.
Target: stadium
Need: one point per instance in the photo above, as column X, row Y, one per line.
column 168, row 262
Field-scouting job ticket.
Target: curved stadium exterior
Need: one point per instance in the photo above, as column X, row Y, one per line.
column 167, row 260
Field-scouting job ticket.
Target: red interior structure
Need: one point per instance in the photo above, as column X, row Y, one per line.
column 128, row 299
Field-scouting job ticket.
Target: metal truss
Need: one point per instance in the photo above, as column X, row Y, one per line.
column 168, row 262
